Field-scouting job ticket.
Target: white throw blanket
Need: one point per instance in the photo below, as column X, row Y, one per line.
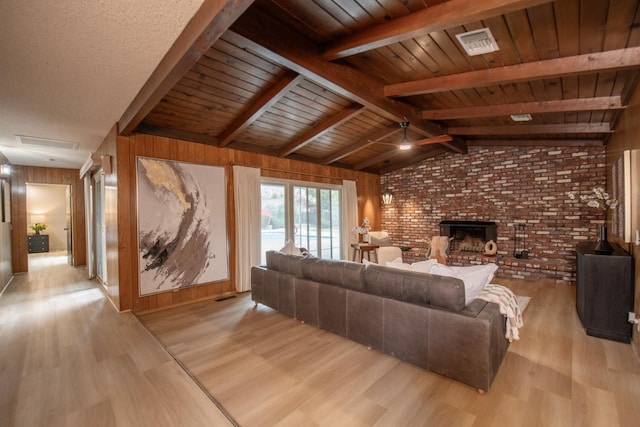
column 508, row 303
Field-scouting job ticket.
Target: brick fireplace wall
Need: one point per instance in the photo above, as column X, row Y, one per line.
column 508, row 185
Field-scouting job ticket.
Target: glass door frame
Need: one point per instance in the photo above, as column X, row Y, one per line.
column 290, row 228
column 100, row 228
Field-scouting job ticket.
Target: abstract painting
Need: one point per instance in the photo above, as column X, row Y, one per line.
column 182, row 226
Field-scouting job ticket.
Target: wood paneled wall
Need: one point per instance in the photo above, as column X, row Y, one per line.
column 20, row 176
column 6, row 270
column 626, row 138
column 368, row 187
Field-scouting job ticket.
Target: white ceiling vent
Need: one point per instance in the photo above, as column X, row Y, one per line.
column 521, row 117
column 45, row 143
column 478, row 42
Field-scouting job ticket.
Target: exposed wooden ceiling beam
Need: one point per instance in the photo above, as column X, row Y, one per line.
column 591, row 63
column 322, row 127
column 288, row 49
column 412, row 160
column 435, row 18
column 259, row 106
column 359, row 145
column 535, row 142
column 149, row 129
column 532, row 129
column 541, row 107
column 377, row 159
column 212, row 19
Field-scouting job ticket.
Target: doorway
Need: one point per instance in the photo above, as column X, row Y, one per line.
column 49, row 231
column 100, row 229
column 306, row 213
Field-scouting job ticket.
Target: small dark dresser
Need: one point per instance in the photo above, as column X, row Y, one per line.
column 38, row 243
column 604, row 292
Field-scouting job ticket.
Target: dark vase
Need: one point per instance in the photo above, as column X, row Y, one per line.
column 37, row 231
column 603, row 247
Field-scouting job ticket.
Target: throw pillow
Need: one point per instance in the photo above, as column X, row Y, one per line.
column 474, row 277
column 290, row 249
column 488, row 269
column 397, row 263
column 424, row 266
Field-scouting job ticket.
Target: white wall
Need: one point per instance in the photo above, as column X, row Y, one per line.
column 50, row 201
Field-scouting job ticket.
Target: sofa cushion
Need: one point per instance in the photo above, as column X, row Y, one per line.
column 415, row 287
column 406, row 329
column 365, row 319
column 345, row 274
column 332, row 309
column 285, row 263
column 306, row 301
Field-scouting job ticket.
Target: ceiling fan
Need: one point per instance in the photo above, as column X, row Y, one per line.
column 405, row 144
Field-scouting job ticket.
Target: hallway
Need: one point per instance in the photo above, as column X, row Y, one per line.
column 67, row 358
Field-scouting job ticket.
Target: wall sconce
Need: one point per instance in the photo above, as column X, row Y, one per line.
column 387, row 197
column 5, row 170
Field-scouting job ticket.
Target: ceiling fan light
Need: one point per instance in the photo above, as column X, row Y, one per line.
column 405, row 145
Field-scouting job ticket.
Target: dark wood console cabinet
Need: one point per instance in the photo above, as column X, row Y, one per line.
column 38, row 243
column 604, row 292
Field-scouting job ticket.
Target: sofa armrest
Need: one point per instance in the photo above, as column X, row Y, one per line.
column 274, row 289
column 475, row 307
column 467, row 348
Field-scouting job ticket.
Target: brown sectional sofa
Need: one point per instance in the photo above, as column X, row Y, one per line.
column 417, row 317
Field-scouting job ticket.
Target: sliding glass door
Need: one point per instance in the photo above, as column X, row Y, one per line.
column 273, row 217
column 308, row 215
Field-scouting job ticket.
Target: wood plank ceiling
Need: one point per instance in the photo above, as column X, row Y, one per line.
column 330, row 81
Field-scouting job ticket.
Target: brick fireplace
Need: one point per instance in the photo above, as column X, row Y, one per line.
column 469, row 236
column 505, row 186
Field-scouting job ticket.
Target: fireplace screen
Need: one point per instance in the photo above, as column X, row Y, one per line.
column 469, row 236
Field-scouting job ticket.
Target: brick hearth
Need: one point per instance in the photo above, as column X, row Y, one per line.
column 507, row 185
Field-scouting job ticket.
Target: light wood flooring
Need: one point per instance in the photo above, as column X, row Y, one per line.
column 67, row 358
column 268, row 369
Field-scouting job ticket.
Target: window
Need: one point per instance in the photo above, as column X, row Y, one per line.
column 308, row 214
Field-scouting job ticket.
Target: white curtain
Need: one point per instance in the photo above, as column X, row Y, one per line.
column 349, row 216
column 246, row 183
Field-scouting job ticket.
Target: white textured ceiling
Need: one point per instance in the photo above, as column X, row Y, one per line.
column 70, row 68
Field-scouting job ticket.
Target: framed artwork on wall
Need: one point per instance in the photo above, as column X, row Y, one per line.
column 621, row 185
column 182, row 225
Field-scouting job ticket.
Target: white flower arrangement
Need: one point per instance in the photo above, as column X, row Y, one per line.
column 365, row 227
column 598, row 199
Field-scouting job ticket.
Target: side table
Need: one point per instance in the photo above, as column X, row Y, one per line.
column 361, row 248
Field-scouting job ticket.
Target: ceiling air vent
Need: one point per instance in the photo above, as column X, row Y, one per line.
column 521, row 117
column 46, row 143
column 478, row 42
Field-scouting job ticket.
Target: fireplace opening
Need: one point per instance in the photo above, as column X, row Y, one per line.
column 469, row 236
